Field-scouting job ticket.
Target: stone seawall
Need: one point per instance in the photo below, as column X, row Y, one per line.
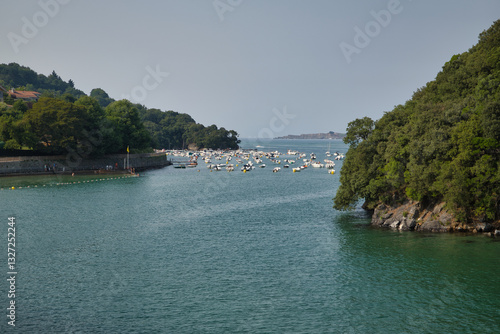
column 68, row 164
column 413, row 216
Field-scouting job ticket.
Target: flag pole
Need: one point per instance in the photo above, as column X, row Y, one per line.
column 128, row 158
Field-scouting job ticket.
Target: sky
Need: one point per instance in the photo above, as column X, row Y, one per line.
column 264, row 68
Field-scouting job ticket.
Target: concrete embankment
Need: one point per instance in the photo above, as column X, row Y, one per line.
column 68, row 164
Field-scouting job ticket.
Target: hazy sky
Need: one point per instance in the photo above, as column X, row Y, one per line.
column 260, row 67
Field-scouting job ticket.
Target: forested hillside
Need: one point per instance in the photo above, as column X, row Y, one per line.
column 65, row 118
column 443, row 145
column 23, row 78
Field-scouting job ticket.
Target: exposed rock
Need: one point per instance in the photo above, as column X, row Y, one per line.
column 460, row 227
column 403, row 217
column 433, row 226
column 483, row 227
column 408, row 225
column 411, row 215
column 395, row 224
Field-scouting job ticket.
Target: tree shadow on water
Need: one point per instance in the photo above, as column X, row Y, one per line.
column 358, row 218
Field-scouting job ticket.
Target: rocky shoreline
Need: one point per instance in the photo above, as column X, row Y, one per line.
column 414, row 216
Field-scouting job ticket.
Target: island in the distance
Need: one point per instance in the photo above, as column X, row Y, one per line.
column 328, row 135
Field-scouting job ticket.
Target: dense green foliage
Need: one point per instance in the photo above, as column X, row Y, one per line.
column 442, row 145
column 66, row 120
column 175, row 130
column 23, row 78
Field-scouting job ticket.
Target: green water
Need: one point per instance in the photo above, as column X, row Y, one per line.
column 188, row 251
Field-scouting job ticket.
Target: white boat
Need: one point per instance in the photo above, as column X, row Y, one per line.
column 262, row 166
column 317, row 164
column 246, row 168
column 296, row 169
column 328, row 154
column 276, row 169
column 329, row 164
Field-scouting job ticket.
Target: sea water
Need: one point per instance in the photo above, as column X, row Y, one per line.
column 200, row 251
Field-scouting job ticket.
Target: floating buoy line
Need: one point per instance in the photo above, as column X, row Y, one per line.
column 67, row 183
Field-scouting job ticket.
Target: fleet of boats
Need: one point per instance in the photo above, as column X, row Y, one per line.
column 247, row 160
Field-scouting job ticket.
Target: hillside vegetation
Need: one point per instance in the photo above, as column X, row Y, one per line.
column 65, row 119
column 443, row 145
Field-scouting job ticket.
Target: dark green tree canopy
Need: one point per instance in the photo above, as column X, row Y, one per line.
column 101, row 96
column 442, row 145
column 358, row 130
column 65, row 118
column 23, row 78
column 54, row 125
column 124, row 117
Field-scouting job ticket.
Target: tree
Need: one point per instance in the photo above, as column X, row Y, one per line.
column 55, row 125
column 127, row 126
column 442, row 145
column 358, row 130
column 101, row 96
column 13, row 75
column 68, row 98
column 167, row 129
column 19, row 107
column 98, row 130
column 8, row 99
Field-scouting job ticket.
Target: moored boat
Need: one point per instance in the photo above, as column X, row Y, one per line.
column 179, row 165
column 317, row 164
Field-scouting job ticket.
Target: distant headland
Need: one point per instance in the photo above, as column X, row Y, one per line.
column 328, row 135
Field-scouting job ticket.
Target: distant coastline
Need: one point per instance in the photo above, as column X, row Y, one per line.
column 328, row 135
